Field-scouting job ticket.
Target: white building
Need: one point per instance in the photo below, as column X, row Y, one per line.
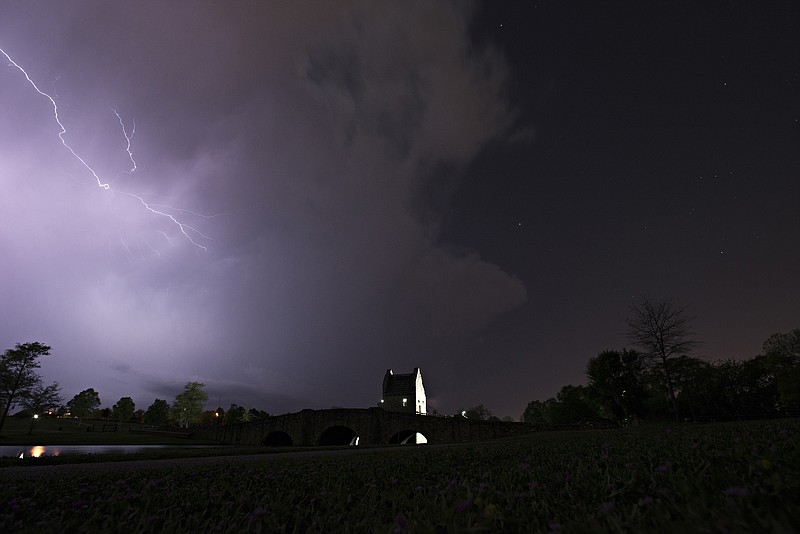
column 404, row 393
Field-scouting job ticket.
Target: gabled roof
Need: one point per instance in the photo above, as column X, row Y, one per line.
column 399, row 385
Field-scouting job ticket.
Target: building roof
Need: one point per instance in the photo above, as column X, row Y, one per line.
column 401, row 384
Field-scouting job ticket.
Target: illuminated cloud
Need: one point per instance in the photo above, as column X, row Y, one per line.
column 315, row 138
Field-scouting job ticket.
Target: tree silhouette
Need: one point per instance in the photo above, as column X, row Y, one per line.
column 157, row 413
column 661, row 330
column 615, row 381
column 84, row 403
column 43, row 398
column 18, row 374
column 782, row 354
column 123, row 410
column 189, row 404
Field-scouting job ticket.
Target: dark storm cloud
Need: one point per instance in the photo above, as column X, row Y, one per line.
column 316, row 134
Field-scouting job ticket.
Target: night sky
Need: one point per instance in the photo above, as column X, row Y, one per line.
column 326, row 190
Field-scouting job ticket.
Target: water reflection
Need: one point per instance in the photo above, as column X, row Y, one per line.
column 37, row 451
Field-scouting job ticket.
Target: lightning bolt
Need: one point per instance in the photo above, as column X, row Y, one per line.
column 184, row 228
column 128, row 138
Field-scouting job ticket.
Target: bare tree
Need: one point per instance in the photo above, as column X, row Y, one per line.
column 661, row 330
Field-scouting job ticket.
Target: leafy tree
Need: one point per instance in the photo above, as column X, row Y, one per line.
column 782, row 353
column 662, row 331
column 189, row 404
column 615, row 382
column 730, row 371
column 209, row 418
column 246, row 416
column 784, row 347
column 253, row 414
column 234, row 414
column 479, row 412
column 537, row 412
column 258, row 415
column 41, row 398
column 758, row 388
column 157, row 413
column 690, row 379
column 789, row 388
column 701, row 384
column 84, row 403
column 18, row 374
column 739, row 389
column 573, row 405
column 123, row 410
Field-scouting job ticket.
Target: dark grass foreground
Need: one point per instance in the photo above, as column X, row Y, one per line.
column 739, row 477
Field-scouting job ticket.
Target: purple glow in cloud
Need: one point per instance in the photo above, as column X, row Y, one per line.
column 319, row 150
column 183, row 227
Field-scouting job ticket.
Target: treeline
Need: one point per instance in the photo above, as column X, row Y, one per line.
column 21, row 385
column 661, row 381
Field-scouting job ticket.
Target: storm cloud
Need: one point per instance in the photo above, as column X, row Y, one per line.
column 311, row 152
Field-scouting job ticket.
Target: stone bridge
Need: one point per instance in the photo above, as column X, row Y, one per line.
column 361, row 426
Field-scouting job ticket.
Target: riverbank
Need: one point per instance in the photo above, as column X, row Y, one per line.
column 52, row 431
column 128, row 463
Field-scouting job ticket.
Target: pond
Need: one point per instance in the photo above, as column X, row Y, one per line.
column 35, row 451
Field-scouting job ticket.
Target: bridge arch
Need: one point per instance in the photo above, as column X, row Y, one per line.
column 277, row 438
column 341, row 426
column 408, row 437
column 339, row 435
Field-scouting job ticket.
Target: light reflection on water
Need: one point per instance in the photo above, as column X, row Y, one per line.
column 40, row 450
column 37, row 451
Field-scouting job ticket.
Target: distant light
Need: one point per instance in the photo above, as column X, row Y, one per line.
column 36, row 416
column 464, row 414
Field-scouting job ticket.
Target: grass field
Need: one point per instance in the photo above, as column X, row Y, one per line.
column 722, row 477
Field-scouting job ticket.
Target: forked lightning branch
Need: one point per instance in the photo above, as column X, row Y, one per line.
column 186, row 230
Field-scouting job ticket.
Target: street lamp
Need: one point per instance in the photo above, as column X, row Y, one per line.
column 33, row 420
